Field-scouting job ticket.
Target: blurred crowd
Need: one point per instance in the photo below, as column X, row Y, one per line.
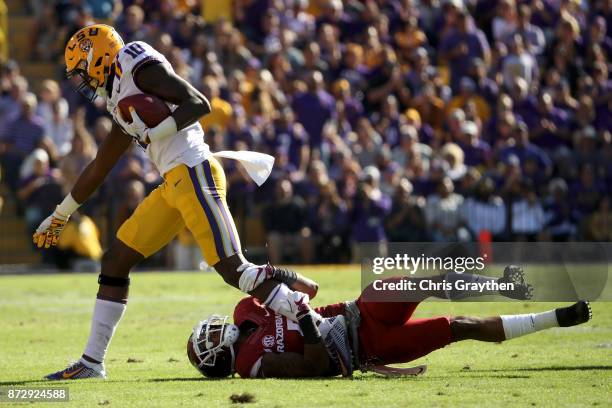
column 390, row 120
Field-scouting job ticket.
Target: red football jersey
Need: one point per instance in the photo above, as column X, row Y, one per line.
column 274, row 334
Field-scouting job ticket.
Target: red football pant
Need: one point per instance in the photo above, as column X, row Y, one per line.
column 388, row 335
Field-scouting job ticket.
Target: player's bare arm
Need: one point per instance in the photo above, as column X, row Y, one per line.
column 192, row 105
column 313, row 363
column 315, row 359
column 109, row 152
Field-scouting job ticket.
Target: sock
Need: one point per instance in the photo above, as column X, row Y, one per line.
column 520, row 325
column 453, row 294
column 278, row 300
column 105, row 318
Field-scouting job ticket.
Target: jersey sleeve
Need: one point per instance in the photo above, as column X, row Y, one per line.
column 248, row 363
column 248, row 308
column 135, row 55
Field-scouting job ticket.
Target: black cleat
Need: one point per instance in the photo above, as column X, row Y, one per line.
column 513, row 274
column 578, row 313
column 516, row 276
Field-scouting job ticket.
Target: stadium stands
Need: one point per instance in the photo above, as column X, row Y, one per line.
column 389, row 119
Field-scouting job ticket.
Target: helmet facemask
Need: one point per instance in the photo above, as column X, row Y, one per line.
column 212, row 338
column 88, row 86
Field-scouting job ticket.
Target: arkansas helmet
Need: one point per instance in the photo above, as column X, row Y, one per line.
column 89, row 54
column 210, row 347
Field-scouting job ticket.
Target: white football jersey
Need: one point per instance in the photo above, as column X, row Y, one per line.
column 187, row 146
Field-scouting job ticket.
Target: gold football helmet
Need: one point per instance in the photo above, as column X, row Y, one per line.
column 89, row 54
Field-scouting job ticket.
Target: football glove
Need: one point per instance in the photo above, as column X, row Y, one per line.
column 48, row 232
column 137, row 129
column 300, row 303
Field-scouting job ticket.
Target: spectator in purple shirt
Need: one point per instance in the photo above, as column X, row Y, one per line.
column 328, row 220
column 524, row 149
column 10, row 103
column 477, row 152
column 525, row 104
column 561, row 220
column 533, row 36
column 586, row 192
column 602, row 85
column 39, row 188
column 552, row 128
column 238, row 130
column 333, row 13
column 352, row 68
column 422, row 71
column 485, row 86
column 603, row 116
column 132, row 26
column 292, row 136
column 598, row 35
column 284, row 219
column 22, row 136
column 387, row 122
column 369, row 211
column 463, row 44
column 314, row 108
column 351, row 106
column 249, row 15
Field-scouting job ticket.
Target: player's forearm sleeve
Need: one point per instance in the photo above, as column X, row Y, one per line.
column 309, row 328
column 286, row 276
column 68, row 206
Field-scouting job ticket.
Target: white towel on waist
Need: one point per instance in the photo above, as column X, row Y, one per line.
column 258, row 165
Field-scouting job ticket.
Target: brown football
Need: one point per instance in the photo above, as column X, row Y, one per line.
column 151, row 109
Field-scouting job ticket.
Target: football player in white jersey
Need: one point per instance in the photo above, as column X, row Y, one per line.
column 192, row 193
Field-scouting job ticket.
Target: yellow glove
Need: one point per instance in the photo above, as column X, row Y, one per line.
column 48, row 232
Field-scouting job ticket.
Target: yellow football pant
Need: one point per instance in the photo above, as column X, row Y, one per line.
column 189, row 196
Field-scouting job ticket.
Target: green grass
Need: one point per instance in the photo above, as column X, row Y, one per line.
column 44, row 322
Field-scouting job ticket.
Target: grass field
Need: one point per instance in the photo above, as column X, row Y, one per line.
column 44, row 322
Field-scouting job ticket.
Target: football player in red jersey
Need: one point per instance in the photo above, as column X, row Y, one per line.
column 338, row 338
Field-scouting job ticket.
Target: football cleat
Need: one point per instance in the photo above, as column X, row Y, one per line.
column 335, row 336
column 578, row 313
column 77, row 371
column 513, row 274
column 516, row 276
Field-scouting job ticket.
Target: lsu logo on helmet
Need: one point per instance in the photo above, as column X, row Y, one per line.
column 89, row 55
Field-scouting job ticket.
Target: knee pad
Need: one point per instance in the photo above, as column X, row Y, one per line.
column 251, row 276
column 113, row 281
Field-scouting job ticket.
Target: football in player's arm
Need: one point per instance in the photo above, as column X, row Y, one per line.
column 192, row 193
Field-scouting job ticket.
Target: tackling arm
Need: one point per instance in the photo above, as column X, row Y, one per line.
column 315, row 360
column 313, row 363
